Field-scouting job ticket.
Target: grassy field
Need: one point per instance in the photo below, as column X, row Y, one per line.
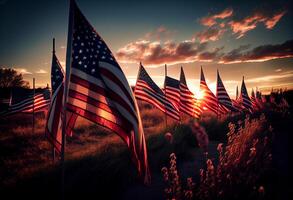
column 98, row 162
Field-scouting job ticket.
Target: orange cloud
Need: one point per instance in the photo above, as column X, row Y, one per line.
column 210, row 34
column 211, row 19
column 270, row 23
column 241, row 27
column 157, row 53
column 259, row 54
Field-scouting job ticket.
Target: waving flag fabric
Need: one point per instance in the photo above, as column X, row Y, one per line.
column 222, row 94
column 254, row 102
column 258, row 94
column 147, row 90
column 258, row 97
column 172, row 91
column 244, row 98
column 236, row 102
column 188, row 102
column 237, row 105
column 98, row 89
column 54, row 119
column 41, row 101
column 5, row 98
column 272, row 98
column 24, row 101
column 5, row 101
column 209, row 100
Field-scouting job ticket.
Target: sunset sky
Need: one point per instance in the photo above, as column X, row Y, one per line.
column 240, row 38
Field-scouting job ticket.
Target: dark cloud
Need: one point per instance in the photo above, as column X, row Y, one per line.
column 157, row 53
column 211, row 55
column 259, row 54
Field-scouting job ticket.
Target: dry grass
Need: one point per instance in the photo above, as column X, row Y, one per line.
column 24, row 153
column 97, row 160
column 238, row 172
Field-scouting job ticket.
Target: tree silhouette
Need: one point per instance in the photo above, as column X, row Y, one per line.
column 10, row 78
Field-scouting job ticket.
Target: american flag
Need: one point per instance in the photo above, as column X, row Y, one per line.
column 258, row 97
column 188, row 103
column 147, row 90
column 254, row 101
column 5, row 100
column 244, row 98
column 237, row 105
column 41, row 101
column 258, row 94
column 236, row 102
column 222, row 94
column 98, row 89
column 262, row 98
column 272, row 98
column 25, row 101
column 172, row 91
column 209, row 100
column 54, row 119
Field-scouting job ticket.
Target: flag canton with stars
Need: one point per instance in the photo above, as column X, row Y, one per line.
column 46, row 93
column 19, row 95
column 182, row 77
column 88, row 47
column 143, row 75
column 57, row 74
column 171, row 82
column 244, row 92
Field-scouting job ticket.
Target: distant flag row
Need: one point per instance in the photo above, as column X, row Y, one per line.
column 173, row 100
column 27, row 102
column 147, row 90
column 176, row 98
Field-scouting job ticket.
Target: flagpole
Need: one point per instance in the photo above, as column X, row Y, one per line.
column 166, row 118
column 53, row 148
column 65, row 93
column 217, row 94
column 10, row 99
column 33, row 125
column 180, row 117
